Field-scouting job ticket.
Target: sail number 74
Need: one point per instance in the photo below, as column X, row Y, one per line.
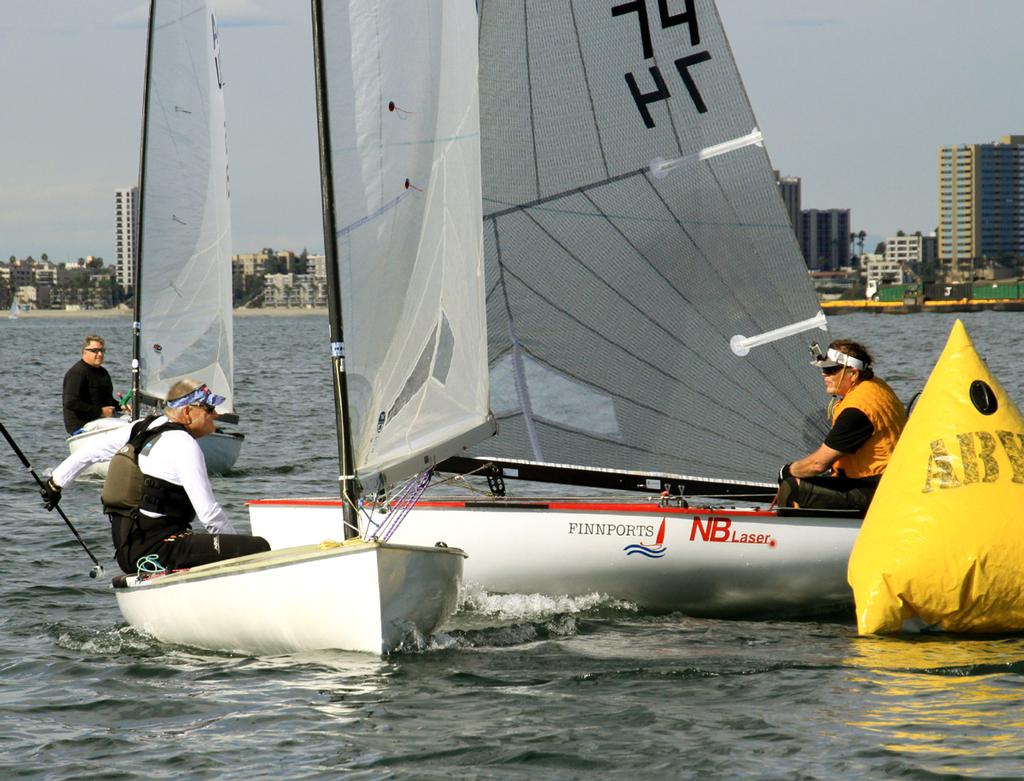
column 683, row 65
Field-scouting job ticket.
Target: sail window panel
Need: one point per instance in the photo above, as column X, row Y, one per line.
column 555, row 397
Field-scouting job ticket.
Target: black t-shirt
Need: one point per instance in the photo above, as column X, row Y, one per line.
column 851, row 430
column 87, row 390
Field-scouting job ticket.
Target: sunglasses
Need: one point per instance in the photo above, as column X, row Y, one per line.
column 95, row 349
column 828, row 371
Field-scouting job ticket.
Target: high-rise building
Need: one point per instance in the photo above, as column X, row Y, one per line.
column 825, row 238
column 789, row 189
column 126, row 225
column 981, row 204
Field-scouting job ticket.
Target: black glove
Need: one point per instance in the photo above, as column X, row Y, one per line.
column 50, row 493
column 784, row 473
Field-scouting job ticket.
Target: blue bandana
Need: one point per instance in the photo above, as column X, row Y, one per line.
column 201, row 395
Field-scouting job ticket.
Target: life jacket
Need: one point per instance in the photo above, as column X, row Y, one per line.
column 885, row 411
column 127, row 490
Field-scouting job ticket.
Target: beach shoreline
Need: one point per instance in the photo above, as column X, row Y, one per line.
column 127, row 312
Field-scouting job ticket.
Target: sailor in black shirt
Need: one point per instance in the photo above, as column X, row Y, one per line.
column 88, row 390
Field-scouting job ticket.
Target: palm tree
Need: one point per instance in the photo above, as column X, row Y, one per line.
column 860, row 240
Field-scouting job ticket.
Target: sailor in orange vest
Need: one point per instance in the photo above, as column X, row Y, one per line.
column 867, row 419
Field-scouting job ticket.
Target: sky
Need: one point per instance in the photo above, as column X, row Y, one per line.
column 853, row 96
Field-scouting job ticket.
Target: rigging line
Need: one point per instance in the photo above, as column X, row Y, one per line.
column 655, row 367
column 518, row 370
column 640, row 311
column 712, row 369
column 586, row 82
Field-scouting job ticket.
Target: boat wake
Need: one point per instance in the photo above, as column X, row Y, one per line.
column 486, row 619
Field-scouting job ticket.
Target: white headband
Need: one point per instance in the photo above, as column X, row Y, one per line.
column 845, row 360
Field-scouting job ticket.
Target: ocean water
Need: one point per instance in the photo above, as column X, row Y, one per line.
column 516, row 687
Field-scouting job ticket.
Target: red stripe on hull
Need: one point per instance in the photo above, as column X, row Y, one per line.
column 564, row 506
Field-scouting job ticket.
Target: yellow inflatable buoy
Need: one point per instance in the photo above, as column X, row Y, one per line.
column 942, row 545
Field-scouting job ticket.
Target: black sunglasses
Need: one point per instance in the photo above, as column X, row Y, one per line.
column 95, row 349
column 828, row 371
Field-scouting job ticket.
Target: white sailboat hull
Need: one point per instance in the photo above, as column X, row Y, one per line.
column 360, row 596
column 708, row 562
column 221, row 449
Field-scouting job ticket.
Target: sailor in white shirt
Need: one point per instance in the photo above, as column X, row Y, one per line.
column 155, row 521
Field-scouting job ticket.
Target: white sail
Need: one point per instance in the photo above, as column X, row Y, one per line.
column 185, row 232
column 15, row 311
column 633, row 228
column 402, row 86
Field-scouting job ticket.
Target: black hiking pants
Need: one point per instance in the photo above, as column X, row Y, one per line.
column 178, row 550
column 828, row 493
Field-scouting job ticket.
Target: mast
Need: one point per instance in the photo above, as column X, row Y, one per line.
column 346, row 479
column 137, row 251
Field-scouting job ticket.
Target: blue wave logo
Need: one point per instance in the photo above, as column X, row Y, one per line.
column 655, row 551
column 643, row 550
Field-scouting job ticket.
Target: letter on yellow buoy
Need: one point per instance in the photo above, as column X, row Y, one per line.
column 942, row 545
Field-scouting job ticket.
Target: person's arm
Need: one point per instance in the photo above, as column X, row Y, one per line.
column 110, row 404
column 101, row 447
column 819, row 461
column 191, row 469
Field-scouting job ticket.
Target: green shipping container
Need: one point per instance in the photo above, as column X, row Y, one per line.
column 1000, row 291
column 892, row 293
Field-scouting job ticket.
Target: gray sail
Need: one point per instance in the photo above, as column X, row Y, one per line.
column 632, row 229
column 185, row 247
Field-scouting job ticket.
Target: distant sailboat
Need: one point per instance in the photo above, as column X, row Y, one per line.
column 15, row 310
column 183, row 309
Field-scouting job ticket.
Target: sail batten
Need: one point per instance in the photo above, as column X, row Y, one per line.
column 615, row 285
column 184, row 277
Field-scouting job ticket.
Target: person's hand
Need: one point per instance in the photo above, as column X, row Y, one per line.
column 784, row 473
column 51, row 494
column 108, row 412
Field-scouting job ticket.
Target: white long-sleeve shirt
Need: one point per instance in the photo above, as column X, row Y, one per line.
column 174, row 457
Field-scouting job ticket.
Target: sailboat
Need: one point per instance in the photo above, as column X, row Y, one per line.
column 15, row 310
column 401, row 203
column 648, row 315
column 182, row 324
